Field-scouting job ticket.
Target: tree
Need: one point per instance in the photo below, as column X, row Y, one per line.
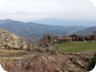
column 46, row 40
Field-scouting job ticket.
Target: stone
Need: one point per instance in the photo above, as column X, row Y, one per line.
column 9, row 40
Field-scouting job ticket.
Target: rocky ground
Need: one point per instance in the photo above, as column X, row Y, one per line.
column 16, row 58
column 52, row 62
column 9, row 40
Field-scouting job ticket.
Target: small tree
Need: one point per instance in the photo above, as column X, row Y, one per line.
column 47, row 39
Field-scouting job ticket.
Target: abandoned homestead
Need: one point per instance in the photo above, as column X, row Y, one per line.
column 95, row 35
column 75, row 37
column 62, row 39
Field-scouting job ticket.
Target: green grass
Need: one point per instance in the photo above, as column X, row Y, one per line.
column 75, row 46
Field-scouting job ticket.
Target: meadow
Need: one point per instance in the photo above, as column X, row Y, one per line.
column 75, row 46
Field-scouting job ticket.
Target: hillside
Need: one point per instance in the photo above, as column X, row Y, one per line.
column 34, row 30
column 11, row 41
column 41, row 59
column 50, row 62
column 86, row 31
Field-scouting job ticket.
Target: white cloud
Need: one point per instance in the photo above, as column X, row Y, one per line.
column 47, row 6
column 29, row 6
column 38, row 9
column 2, row 2
column 94, row 2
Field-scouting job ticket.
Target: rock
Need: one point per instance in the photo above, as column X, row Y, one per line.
column 51, row 51
column 44, row 62
column 11, row 41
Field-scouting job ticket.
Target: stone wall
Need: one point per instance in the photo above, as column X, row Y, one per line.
column 95, row 35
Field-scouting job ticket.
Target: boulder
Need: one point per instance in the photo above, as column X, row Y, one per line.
column 9, row 40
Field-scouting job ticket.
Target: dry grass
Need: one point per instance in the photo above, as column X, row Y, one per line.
column 39, row 62
column 25, row 61
column 8, row 55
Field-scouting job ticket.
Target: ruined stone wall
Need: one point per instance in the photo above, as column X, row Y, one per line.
column 95, row 35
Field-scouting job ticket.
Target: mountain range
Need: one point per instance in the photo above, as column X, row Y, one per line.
column 32, row 30
column 87, row 31
column 62, row 22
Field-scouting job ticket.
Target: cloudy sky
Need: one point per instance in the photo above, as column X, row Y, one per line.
column 30, row 10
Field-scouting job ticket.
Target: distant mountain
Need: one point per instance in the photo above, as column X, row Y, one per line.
column 87, row 31
column 33, row 30
column 56, row 21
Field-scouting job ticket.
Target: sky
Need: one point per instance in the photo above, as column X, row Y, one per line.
column 32, row 10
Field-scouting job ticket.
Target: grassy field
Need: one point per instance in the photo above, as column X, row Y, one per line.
column 75, row 46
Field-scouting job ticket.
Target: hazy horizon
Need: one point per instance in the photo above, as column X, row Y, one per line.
column 57, row 22
column 39, row 10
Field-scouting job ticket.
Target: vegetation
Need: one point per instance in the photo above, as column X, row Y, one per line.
column 6, row 55
column 38, row 62
column 16, row 56
column 27, row 61
column 46, row 40
column 75, row 46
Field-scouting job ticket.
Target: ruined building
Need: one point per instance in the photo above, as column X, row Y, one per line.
column 95, row 35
